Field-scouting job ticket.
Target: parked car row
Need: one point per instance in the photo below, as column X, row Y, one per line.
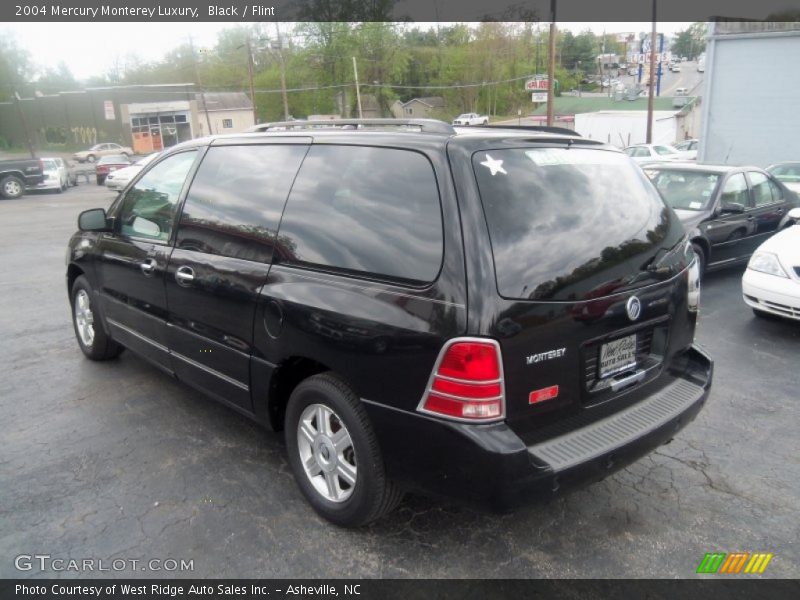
column 727, row 211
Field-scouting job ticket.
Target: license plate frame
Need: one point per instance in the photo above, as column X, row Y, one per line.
column 616, row 356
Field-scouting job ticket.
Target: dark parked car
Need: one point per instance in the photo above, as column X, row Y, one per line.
column 728, row 211
column 406, row 303
column 107, row 164
column 18, row 174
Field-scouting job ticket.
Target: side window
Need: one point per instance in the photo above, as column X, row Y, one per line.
column 663, row 150
column 236, row 200
column 148, row 209
column 735, row 191
column 367, row 210
column 762, row 195
column 777, row 193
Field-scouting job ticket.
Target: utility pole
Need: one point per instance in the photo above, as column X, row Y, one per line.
column 250, row 77
column 358, row 90
column 551, row 65
column 651, row 94
column 24, row 124
column 200, row 85
column 283, row 74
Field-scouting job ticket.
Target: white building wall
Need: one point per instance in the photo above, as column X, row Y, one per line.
column 751, row 107
column 624, row 128
column 240, row 120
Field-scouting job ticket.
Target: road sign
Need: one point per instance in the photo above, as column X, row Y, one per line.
column 537, row 83
column 539, row 97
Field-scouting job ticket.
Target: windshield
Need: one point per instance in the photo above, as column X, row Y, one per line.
column 684, row 190
column 563, row 221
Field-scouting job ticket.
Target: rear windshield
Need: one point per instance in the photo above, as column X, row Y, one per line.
column 685, row 190
column 564, row 221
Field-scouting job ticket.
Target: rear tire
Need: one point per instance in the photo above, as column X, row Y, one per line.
column 335, row 455
column 92, row 339
column 11, row 187
column 90, row 158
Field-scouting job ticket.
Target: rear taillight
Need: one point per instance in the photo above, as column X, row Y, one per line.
column 467, row 382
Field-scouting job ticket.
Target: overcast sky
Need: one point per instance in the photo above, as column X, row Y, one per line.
column 90, row 48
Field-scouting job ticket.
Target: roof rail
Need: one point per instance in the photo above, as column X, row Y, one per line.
column 561, row 130
column 423, row 125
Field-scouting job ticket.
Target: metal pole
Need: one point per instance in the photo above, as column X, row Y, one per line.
column 283, row 74
column 200, row 85
column 250, row 77
column 24, row 124
column 651, row 94
column 358, row 90
column 551, row 66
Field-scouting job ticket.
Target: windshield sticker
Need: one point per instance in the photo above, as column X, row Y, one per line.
column 695, row 205
column 548, row 157
column 495, row 166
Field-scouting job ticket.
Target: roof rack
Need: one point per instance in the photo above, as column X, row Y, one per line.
column 561, row 130
column 423, row 125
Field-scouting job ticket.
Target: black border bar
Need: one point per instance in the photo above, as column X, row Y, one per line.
column 401, row 589
column 244, row 11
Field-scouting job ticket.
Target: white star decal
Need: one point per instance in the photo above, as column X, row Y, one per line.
column 495, row 166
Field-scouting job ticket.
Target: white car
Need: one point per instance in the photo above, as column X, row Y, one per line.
column 117, row 180
column 100, row 150
column 688, row 149
column 771, row 283
column 643, row 153
column 56, row 175
column 788, row 173
column 471, row 119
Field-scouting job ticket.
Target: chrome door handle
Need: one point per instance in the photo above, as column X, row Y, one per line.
column 148, row 267
column 184, row 275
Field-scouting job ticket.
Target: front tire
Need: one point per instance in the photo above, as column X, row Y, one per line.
column 90, row 158
column 11, row 187
column 701, row 258
column 334, row 453
column 92, row 339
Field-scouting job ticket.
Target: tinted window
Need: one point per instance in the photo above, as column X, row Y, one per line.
column 762, row 194
column 148, row 208
column 236, row 199
column 563, row 222
column 371, row 210
column 735, row 191
column 663, row 150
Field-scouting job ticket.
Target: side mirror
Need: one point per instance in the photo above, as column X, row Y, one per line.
column 732, row 207
column 794, row 215
column 93, row 219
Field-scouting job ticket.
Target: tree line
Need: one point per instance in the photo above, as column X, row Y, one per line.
column 477, row 67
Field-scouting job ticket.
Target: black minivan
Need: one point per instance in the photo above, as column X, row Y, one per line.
column 493, row 315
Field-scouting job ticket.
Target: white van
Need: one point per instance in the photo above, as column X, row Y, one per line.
column 682, row 91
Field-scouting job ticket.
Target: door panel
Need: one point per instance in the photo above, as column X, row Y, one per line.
column 132, row 260
column 728, row 231
column 224, row 246
column 210, row 327
column 131, row 276
column 769, row 206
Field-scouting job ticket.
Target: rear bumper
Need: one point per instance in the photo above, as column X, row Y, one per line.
column 491, row 467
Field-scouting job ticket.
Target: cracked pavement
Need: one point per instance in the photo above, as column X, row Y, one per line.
column 117, row 460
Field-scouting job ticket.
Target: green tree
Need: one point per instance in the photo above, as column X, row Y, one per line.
column 690, row 42
column 15, row 66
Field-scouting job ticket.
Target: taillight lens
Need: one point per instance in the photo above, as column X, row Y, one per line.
column 467, row 382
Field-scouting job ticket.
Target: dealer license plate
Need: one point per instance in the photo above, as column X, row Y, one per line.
column 617, row 356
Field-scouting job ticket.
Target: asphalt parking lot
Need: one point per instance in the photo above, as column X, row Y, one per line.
column 117, row 460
